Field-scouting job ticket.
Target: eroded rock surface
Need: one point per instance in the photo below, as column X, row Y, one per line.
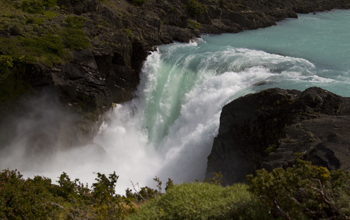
column 267, row 130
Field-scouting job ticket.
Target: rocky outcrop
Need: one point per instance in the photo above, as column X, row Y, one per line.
column 274, row 127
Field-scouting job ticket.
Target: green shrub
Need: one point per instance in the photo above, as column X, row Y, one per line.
column 75, row 39
column 24, row 199
column 37, row 198
column 193, row 24
column 6, row 63
column 195, row 8
column 271, row 148
column 49, row 48
column 35, row 20
column 49, row 14
column 303, row 192
column 37, row 6
column 202, row 201
column 32, row 6
column 74, row 22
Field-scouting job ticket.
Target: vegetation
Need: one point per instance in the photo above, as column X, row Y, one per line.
column 6, row 63
column 195, row 8
column 193, row 24
column 38, row 32
column 37, row 198
column 299, row 192
column 303, row 192
column 201, row 201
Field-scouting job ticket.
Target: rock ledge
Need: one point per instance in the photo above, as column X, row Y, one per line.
column 267, row 129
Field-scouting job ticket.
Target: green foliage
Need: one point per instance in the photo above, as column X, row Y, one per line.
column 74, row 22
column 129, row 33
column 6, row 64
column 201, row 201
column 35, row 20
column 169, row 184
column 49, row 43
column 73, row 34
column 104, row 186
column 37, row 198
column 193, row 24
column 75, row 39
column 303, row 192
column 40, row 33
column 49, row 14
column 271, row 148
column 106, row 204
column 195, row 8
column 48, row 48
column 144, row 194
column 11, row 83
column 37, row 6
column 24, row 199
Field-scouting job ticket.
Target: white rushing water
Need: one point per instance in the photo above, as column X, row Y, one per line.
column 168, row 129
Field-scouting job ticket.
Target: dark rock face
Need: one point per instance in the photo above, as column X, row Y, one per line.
column 267, row 129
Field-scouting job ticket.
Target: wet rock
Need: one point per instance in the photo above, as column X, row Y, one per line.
column 274, row 127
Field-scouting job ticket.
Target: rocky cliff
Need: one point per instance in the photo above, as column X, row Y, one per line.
column 93, row 50
column 274, row 127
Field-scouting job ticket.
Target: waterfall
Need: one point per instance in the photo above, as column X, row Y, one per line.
column 168, row 129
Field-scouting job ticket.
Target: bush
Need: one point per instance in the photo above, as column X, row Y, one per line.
column 75, row 39
column 193, row 24
column 303, row 192
column 73, row 34
column 24, row 199
column 6, row 63
column 37, row 198
column 37, row 6
column 49, row 48
column 74, row 22
column 202, row 201
column 195, row 8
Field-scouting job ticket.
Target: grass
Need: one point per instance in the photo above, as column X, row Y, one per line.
column 201, row 201
column 39, row 33
column 193, row 24
column 38, row 38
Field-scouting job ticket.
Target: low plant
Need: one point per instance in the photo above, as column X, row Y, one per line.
column 38, row 198
column 37, row 6
column 202, row 201
column 303, row 191
column 195, row 8
column 6, row 64
column 193, row 24
column 75, row 39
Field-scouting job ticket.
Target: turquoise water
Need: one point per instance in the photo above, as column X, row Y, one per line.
column 322, row 39
column 168, row 129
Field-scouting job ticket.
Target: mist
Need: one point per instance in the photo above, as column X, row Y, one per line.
column 39, row 137
column 167, row 130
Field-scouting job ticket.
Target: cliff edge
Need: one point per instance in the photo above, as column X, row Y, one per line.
column 274, row 127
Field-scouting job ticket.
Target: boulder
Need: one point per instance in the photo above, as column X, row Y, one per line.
column 275, row 127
